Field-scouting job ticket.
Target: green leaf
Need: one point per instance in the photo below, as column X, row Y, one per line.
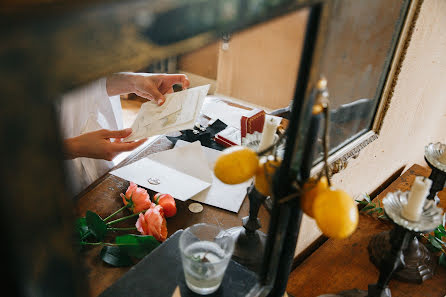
column 442, row 260
column 81, row 227
column 96, row 225
column 373, row 211
column 370, row 206
column 115, row 256
column 435, row 242
column 440, row 232
column 137, row 245
column 362, row 202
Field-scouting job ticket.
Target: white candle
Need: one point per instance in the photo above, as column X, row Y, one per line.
column 442, row 157
column 415, row 202
column 268, row 133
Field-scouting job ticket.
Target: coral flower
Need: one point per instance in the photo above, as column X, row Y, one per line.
column 139, row 196
column 153, row 222
column 167, row 202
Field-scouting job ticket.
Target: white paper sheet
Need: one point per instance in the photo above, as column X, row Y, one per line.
column 178, row 184
column 230, row 115
column 221, row 195
column 179, row 112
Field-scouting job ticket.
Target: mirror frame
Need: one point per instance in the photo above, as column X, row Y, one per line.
column 338, row 161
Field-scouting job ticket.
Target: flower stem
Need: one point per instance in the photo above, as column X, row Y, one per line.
column 86, row 235
column 124, row 218
column 108, row 244
column 119, row 210
column 122, row 229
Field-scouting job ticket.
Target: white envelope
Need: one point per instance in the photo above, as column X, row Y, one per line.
column 178, row 184
column 219, row 194
column 186, row 172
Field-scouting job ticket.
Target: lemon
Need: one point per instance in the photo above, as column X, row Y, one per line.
column 236, row 164
column 265, row 171
column 311, row 189
column 335, row 213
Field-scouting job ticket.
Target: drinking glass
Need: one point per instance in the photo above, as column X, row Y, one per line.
column 205, row 251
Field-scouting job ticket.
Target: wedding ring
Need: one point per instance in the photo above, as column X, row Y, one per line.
column 154, row 181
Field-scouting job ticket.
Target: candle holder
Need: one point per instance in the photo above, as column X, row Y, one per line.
column 249, row 240
column 420, row 264
column 400, row 238
column 432, row 153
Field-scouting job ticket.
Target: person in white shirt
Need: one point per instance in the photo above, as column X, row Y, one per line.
column 91, row 121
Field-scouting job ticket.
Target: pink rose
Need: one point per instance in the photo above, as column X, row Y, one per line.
column 139, row 196
column 153, row 222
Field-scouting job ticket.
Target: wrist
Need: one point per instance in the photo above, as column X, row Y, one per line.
column 70, row 148
column 119, row 84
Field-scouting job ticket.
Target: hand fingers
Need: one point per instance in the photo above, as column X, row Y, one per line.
column 154, row 95
column 127, row 146
column 116, row 134
column 145, row 95
column 172, row 79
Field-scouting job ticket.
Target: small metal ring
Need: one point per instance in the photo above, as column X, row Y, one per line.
column 153, row 181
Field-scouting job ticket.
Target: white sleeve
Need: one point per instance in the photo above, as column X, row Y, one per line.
column 87, row 109
column 89, row 103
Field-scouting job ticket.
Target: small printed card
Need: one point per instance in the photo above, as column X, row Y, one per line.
column 179, row 112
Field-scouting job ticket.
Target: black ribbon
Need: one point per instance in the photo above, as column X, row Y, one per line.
column 205, row 137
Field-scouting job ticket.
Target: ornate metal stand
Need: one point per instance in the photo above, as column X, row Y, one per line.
column 420, row 263
column 400, row 239
column 250, row 242
column 432, row 153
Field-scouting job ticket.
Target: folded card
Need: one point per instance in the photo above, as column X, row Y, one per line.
column 179, row 112
column 219, row 194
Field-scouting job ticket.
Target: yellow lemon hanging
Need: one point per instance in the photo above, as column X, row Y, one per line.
column 236, row 164
column 311, row 189
column 265, row 171
column 335, row 213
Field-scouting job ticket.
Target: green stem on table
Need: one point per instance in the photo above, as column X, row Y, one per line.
column 86, row 235
column 124, row 218
column 122, row 229
column 119, row 210
column 107, row 243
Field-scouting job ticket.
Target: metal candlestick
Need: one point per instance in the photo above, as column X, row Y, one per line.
column 250, row 242
column 420, row 262
column 400, row 238
column 432, row 153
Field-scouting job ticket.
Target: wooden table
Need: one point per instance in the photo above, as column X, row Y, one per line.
column 340, row 265
column 103, row 198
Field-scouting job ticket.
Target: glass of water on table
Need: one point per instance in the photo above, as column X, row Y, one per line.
column 205, row 251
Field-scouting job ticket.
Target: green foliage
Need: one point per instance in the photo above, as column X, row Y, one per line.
column 120, row 253
column 137, row 245
column 115, row 256
column 436, row 243
column 82, row 228
column 96, row 225
column 368, row 207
